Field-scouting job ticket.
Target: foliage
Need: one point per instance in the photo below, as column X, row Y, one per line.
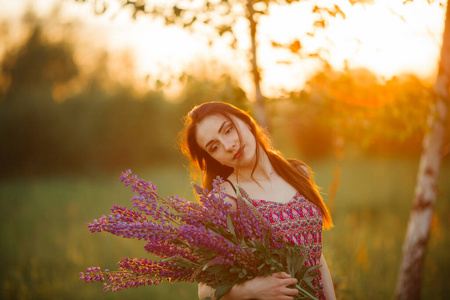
column 378, row 116
column 220, row 16
column 223, row 17
column 208, row 242
column 55, row 118
column 27, row 75
column 46, row 242
column 102, row 124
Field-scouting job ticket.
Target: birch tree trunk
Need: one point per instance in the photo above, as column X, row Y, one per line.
column 418, row 230
column 260, row 110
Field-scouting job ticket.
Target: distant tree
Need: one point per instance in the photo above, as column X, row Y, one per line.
column 29, row 115
column 356, row 107
column 103, row 124
column 418, row 230
column 222, row 15
column 37, row 65
column 377, row 115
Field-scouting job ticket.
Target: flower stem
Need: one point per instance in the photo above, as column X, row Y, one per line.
column 305, row 292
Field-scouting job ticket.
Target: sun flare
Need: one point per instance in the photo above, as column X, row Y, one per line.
column 386, row 37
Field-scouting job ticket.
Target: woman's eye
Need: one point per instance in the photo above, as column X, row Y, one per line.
column 228, row 129
column 213, row 148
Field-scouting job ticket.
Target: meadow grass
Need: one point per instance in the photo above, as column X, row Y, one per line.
column 46, row 242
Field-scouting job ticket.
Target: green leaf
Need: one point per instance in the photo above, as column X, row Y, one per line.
column 243, row 197
column 261, row 247
column 181, row 261
column 251, row 243
column 230, row 224
column 289, row 262
column 308, row 281
column 221, row 290
column 207, row 265
column 299, row 262
column 177, row 11
column 243, row 273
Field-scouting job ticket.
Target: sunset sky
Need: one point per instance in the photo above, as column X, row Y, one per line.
column 386, row 37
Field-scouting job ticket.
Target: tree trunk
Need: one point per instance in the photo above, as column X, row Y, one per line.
column 418, row 231
column 260, row 111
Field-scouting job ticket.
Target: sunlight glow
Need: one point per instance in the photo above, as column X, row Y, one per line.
column 386, row 37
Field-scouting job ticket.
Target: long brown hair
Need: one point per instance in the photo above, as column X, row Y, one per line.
column 290, row 170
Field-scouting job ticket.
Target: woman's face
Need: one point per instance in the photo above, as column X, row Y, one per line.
column 219, row 137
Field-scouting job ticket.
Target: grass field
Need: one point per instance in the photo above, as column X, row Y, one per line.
column 46, row 242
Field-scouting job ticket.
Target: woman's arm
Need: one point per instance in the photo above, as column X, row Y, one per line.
column 326, row 280
column 205, row 291
column 236, row 292
column 273, row 287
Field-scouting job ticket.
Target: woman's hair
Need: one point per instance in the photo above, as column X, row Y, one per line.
column 290, row 170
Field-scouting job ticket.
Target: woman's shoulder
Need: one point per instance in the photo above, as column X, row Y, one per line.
column 228, row 187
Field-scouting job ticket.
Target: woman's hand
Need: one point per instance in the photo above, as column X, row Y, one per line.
column 274, row 287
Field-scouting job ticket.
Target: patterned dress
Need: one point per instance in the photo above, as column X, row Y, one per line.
column 299, row 222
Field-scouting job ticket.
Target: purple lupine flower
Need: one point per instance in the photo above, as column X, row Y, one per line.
column 166, row 250
column 200, row 237
column 198, row 242
column 92, row 274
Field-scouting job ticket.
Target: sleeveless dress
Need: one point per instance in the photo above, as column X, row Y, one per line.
column 299, row 222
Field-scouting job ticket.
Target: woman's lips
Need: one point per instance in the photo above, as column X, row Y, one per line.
column 239, row 153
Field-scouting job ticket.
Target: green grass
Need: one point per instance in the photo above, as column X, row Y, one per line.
column 46, row 242
column 370, row 213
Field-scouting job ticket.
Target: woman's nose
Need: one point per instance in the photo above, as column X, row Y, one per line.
column 228, row 145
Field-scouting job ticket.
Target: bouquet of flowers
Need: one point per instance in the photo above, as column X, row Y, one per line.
column 207, row 242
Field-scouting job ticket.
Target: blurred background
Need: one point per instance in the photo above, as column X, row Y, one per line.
column 91, row 88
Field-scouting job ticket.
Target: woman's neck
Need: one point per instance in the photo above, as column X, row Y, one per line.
column 263, row 170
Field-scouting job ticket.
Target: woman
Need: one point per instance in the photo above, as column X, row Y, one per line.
column 222, row 140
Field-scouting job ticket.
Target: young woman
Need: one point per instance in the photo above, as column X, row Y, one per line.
column 222, row 140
